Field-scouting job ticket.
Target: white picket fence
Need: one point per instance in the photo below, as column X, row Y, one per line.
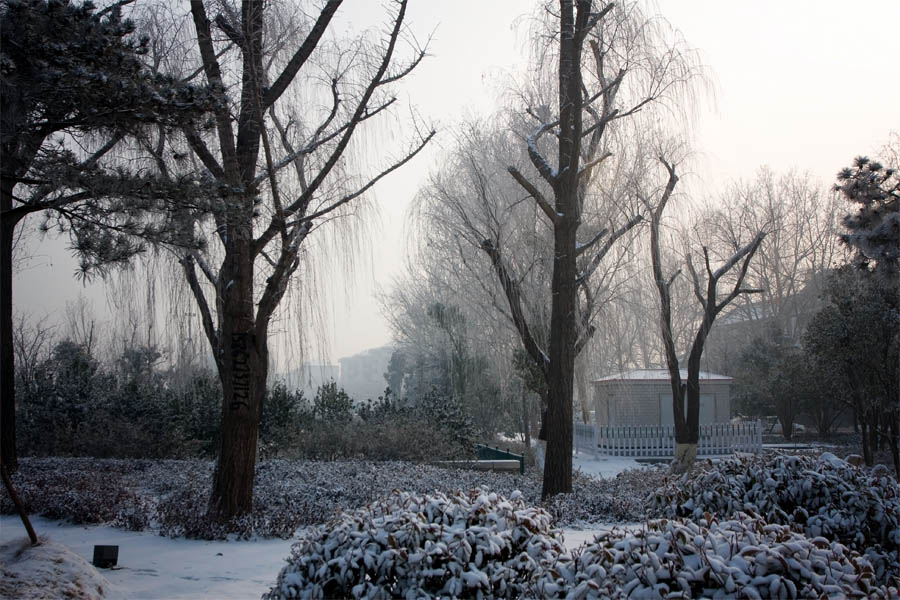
column 658, row 441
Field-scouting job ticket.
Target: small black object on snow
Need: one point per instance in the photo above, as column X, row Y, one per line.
column 106, row 557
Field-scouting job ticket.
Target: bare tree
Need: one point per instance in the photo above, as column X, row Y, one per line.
column 592, row 95
column 792, row 263
column 705, row 287
column 538, row 258
column 278, row 157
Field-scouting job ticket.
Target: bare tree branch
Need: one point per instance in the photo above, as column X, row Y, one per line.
column 695, row 279
column 357, row 116
column 607, row 246
column 534, row 193
column 747, row 253
column 209, row 328
column 371, row 182
column 582, row 248
column 214, row 77
column 537, row 159
column 514, row 299
column 302, row 54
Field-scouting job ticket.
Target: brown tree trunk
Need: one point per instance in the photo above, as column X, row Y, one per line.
column 563, row 334
column 7, row 482
column 876, row 425
column 243, row 370
column 563, row 330
column 8, row 455
column 874, row 444
column 526, row 422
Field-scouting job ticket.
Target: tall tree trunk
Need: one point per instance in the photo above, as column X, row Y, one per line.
column 866, row 439
column 243, row 370
column 874, row 444
column 8, row 455
column 563, row 329
column 558, row 463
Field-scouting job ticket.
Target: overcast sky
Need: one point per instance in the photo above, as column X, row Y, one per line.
column 798, row 84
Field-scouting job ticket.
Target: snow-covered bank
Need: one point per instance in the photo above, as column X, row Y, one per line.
column 153, row 567
column 50, row 570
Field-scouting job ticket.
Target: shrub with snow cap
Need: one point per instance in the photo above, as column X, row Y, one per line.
column 744, row 558
column 474, row 544
column 824, row 497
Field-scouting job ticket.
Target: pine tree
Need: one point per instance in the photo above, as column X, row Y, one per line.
column 874, row 227
column 73, row 89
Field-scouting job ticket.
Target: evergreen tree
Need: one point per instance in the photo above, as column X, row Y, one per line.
column 873, row 229
column 856, row 338
column 72, row 77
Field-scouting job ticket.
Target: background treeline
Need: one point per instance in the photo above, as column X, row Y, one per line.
column 137, row 406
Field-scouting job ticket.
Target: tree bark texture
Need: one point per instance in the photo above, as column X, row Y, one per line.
column 563, row 334
column 7, row 482
column 8, row 455
column 564, row 304
column 243, row 371
column 685, row 456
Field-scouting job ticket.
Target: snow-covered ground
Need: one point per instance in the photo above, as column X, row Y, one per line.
column 154, row 567
column 602, row 466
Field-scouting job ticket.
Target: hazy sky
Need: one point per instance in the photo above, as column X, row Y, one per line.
column 798, row 84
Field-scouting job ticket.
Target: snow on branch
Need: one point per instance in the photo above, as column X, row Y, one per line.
column 581, row 248
column 749, row 249
column 746, row 253
column 537, row 159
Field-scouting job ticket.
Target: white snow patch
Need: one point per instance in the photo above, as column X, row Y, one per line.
column 595, row 465
column 150, row 566
column 153, row 567
column 49, row 570
column 604, row 467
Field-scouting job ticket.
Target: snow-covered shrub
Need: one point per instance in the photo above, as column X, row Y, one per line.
column 171, row 496
column 483, row 545
column 622, row 498
column 78, row 490
column 823, row 497
column 743, row 558
column 474, row 544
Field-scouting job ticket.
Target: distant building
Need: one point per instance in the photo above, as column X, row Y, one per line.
column 362, row 375
column 644, row 397
column 765, row 317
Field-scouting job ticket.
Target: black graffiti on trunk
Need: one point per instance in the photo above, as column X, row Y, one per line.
column 240, row 369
